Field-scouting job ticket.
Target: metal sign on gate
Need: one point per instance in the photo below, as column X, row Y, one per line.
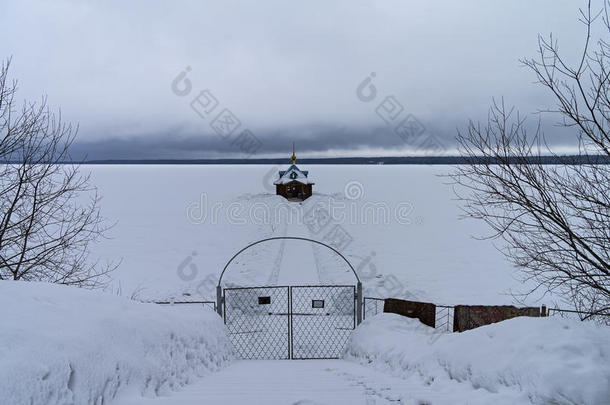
column 296, row 322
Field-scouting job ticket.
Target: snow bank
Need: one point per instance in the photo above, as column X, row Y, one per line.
column 64, row 345
column 545, row 360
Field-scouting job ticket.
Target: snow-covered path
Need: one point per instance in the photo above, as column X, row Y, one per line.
column 298, row 265
column 317, row 382
column 282, row 382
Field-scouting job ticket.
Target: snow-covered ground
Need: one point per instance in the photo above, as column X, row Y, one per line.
column 178, row 225
column 319, row 382
column 522, row 360
column 399, row 360
column 64, row 345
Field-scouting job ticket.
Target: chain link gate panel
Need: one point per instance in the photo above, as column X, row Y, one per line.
column 258, row 319
column 300, row 322
column 322, row 319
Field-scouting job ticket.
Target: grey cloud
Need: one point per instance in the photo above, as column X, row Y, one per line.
column 311, row 141
column 281, row 67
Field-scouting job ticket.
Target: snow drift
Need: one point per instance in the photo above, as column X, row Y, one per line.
column 64, row 345
column 543, row 360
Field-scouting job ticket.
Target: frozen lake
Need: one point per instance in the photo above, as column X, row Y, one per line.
column 398, row 225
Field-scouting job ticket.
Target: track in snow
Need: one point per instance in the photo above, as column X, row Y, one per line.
column 318, row 382
column 298, row 265
column 282, row 382
column 277, row 263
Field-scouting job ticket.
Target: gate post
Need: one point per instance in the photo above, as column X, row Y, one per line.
column 359, row 303
column 219, row 302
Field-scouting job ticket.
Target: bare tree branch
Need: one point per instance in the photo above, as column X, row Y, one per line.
column 555, row 219
column 45, row 228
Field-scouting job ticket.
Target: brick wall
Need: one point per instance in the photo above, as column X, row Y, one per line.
column 467, row 317
column 423, row 311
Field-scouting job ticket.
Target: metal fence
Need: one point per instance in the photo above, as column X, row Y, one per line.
column 602, row 319
column 290, row 322
column 372, row 306
column 321, row 320
column 206, row 304
column 445, row 314
column 258, row 322
column 444, row 318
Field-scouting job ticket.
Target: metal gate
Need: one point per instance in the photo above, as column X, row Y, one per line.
column 296, row 322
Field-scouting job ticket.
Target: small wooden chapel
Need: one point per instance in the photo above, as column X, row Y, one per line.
column 294, row 183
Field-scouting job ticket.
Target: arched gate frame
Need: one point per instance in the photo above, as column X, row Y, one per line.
column 249, row 322
column 219, row 301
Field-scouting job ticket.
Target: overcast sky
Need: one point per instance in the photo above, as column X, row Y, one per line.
column 286, row 71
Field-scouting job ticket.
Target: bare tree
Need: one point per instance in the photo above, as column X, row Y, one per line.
column 555, row 219
column 49, row 214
